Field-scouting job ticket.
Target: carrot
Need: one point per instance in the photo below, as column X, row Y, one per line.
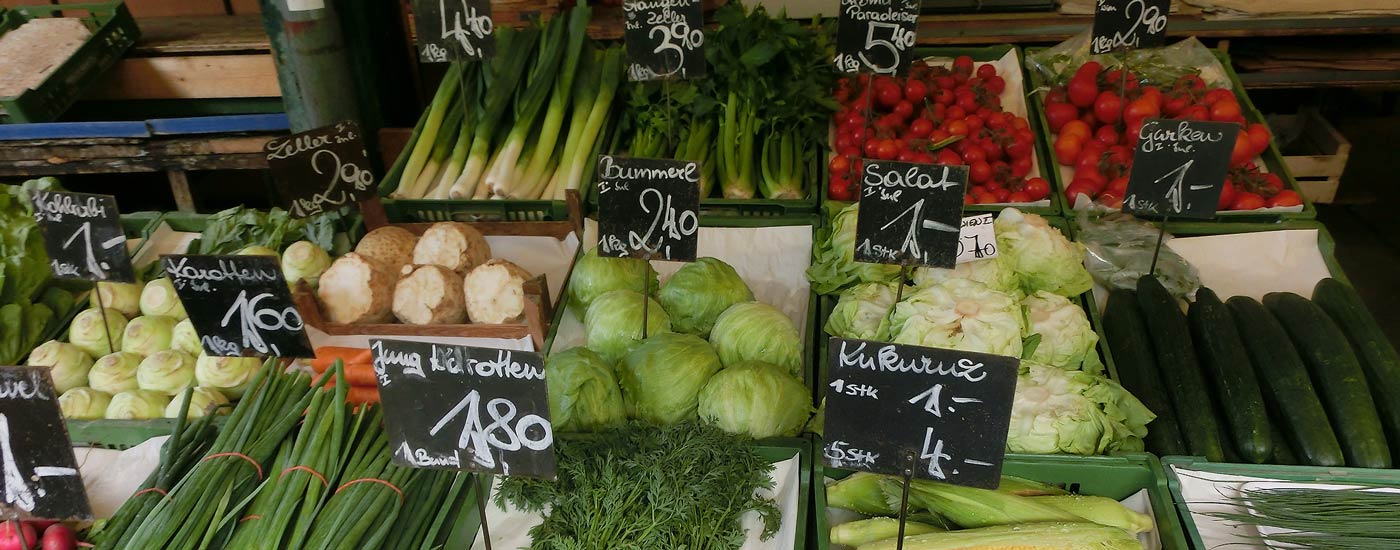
column 326, row 356
column 362, row 394
column 361, row 374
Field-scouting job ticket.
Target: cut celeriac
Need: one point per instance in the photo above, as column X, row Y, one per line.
column 429, row 295
column 495, row 292
column 390, row 246
column 356, row 290
column 453, row 245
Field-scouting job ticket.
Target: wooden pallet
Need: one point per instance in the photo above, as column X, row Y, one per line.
column 195, row 57
column 1318, row 156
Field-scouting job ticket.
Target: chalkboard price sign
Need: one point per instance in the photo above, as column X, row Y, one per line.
column 323, row 169
column 1121, row 25
column 665, row 39
column 1179, row 168
column 648, row 208
column 83, row 236
column 465, row 408
column 910, row 214
column 875, row 36
column 951, row 408
column 40, row 475
column 239, row 305
column 450, row 30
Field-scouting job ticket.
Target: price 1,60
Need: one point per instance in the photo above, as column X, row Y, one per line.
column 251, row 321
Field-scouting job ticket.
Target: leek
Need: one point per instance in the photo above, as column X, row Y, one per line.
column 589, row 135
column 424, row 142
column 538, row 86
column 502, row 78
column 437, row 156
column 536, row 171
column 1030, row 536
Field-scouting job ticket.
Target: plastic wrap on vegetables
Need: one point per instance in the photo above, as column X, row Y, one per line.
column 1120, row 249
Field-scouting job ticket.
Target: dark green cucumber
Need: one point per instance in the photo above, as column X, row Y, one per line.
column 1287, row 386
column 1377, row 355
column 1131, row 347
column 1176, row 357
column 1337, row 374
column 1283, row 454
column 1226, row 364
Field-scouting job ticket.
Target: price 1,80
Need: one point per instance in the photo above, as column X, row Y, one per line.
column 504, row 433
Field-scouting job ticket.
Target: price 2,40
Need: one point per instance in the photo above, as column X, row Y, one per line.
column 505, row 432
column 252, row 322
column 673, row 224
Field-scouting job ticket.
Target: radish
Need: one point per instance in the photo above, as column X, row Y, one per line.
column 59, row 537
column 10, row 539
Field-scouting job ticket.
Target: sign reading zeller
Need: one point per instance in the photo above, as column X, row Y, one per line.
column 910, row 213
column 950, row 408
column 465, row 408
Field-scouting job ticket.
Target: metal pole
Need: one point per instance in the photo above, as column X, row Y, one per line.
column 312, row 66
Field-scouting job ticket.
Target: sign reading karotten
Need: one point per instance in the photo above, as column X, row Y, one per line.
column 239, row 305
column 876, row 36
column 465, row 408
column 83, row 236
column 320, row 170
column 648, row 208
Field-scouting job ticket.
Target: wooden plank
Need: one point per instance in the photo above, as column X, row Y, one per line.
column 205, row 76
column 97, row 156
column 180, row 188
column 1321, row 191
column 166, row 8
column 205, row 34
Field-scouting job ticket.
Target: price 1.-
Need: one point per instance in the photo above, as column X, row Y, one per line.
column 949, row 409
column 876, row 36
column 665, row 39
column 320, row 170
column 459, row 407
column 1121, row 25
column 239, row 305
column 450, row 30
column 910, row 214
column 40, row 475
column 83, row 236
column 648, row 208
column 1179, row 168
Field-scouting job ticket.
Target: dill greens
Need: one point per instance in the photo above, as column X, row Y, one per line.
column 643, row 487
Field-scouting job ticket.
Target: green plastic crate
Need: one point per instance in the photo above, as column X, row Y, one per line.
column 755, row 207
column 1272, row 158
column 1115, row 477
column 775, row 450
column 1389, row 478
column 113, row 31
column 1037, row 125
column 427, row 211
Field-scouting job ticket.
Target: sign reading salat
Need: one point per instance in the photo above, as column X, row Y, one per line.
column 910, row 213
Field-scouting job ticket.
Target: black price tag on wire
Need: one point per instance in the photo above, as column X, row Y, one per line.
column 876, row 36
column 1179, row 168
column 465, row 408
column 665, row 39
column 454, row 30
column 323, row 169
column 910, row 213
column 1121, row 25
column 239, row 305
column 949, row 409
column 40, row 474
column 83, row 236
column 648, row 208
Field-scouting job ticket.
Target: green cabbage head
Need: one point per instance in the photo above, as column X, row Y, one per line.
column 1067, row 340
column 1059, row 411
column 756, row 399
column 661, row 379
column 613, row 324
column 1041, row 256
column 995, row 272
column 583, row 392
column 595, row 275
column 701, row 290
column 833, row 257
column 754, row 331
column 863, row 312
column 959, row 314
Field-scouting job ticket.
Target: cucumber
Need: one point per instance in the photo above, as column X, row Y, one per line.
column 1337, row 374
column 1176, row 357
column 1225, row 363
column 1287, row 388
column 1283, row 454
column 1377, row 355
column 1127, row 340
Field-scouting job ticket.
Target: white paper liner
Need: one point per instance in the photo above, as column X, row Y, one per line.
column 1255, row 264
column 112, row 477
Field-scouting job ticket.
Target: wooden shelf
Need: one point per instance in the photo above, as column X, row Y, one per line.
column 1047, row 27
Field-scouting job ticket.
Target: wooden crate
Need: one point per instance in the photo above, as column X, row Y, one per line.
column 1316, row 156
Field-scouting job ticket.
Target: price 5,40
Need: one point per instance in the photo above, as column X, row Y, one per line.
column 899, row 40
column 252, row 321
column 505, row 432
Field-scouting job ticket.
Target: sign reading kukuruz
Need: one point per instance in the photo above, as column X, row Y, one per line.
column 950, row 408
column 465, row 408
column 40, row 475
column 239, row 305
column 665, row 39
column 323, row 169
column 1128, row 25
column 648, row 208
column 450, row 30
column 875, row 36
column 1179, row 168
column 83, row 236
column 910, row 213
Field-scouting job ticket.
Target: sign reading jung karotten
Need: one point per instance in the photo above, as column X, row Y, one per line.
column 910, row 213
column 83, row 236
column 451, row 30
column 465, row 408
column 1128, row 25
column 648, row 208
column 876, row 36
column 949, row 409
column 323, row 169
column 665, row 39
column 1179, row 168
column 40, row 475
column 239, row 305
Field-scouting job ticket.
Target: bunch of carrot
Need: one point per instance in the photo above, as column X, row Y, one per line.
column 359, row 371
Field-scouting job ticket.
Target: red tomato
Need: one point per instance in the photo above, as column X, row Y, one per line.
column 979, row 172
column 889, row 95
column 1108, row 107
column 948, row 156
column 1273, row 183
column 1117, row 187
column 1020, row 167
column 1082, row 91
column 1020, row 123
column 872, row 148
column 1077, row 128
column 955, row 113
column 1225, row 111
column 1287, row 197
column 970, row 154
column 938, row 134
column 1090, row 69
column 1057, row 114
column 915, row 91
column 1056, row 95
column 839, row 165
column 1019, row 197
column 920, row 127
column 1106, row 135
column 1067, row 148
column 10, row 535
column 1259, row 137
column 1173, row 106
column 968, row 101
column 839, row 189
column 1244, row 200
column 1244, row 149
column 944, row 96
column 1153, row 95
column 957, row 128
column 985, row 196
column 971, row 197
column 994, row 151
column 994, row 84
column 945, row 82
column 1227, row 195
column 849, row 151
column 974, row 124
column 999, row 120
column 986, row 70
column 1037, row 188
column 1002, row 194
column 1141, row 109
column 1079, row 188
column 1217, row 95
column 1019, row 149
column 1196, row 112
column 962, row 64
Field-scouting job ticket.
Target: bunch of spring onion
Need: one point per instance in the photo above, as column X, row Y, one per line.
column 1359, row 518
column 525, row 124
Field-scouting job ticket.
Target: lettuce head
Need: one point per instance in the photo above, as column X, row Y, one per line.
column 1040, row 255
column 662, row 377
column 595, row 275
column 583, row 392
column 1067, row 340
column 759, row 332
column 833, row 257
column 613, row 323
column 701, row 290
column 863, row 312
column 756, row 399
column 959, row 314
column 1073, row 412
